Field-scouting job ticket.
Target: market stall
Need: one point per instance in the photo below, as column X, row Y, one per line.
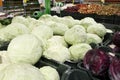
column 81, row 41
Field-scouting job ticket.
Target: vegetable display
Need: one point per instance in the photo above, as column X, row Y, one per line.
column 98, row 9
column 59, row 39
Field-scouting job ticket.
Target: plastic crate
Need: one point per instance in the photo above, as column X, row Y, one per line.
column 81, row 66
column 76, row 15
column 117, row 20
column 4, row 46
column 78, row 74
column 104, row 18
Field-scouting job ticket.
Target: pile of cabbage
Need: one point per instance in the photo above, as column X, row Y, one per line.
column 58, row 38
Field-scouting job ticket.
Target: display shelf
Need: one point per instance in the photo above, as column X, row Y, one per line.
column 111, row 19
column 31, row 6
column 13, row 7
column 117, row 20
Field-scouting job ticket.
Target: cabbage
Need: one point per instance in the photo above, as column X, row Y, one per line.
column 1, row 26
column 116, row 49
column 20, row 71
column 75, row 35
column 58, row 28
column 116, row 38
column 45, row 17
column 114, row 70
column 97, row 61
column 43, row 43
column 56, row 40
column 20, row 19
column 25, row 48
column 49, row 73
column 56, row 18
column 34, row 23
column 78, row 51
column 77, row 22
column 43, row 31
column 4, row 57
column 86, row 22
column 58, row 53
column 12, row 30
column 80, row 26
column 93, row 38
column 98, row 29
column 68, row 22
column 68, row 17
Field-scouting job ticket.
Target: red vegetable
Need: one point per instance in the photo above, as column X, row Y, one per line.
column 114, row 69
column 116, row 39
column 116, row 49
column 97, row 61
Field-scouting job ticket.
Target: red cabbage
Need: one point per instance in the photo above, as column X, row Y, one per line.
column 114, row 69
column 116, row 39
column 116, row 49
column 97, row 61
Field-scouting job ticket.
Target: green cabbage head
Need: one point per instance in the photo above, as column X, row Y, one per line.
column 98, row 29
column 43, row 31
column 75, row 35
column 58, row 53
column 93, row 38
column 49, row 73
column 25, row 48
column 56, row 40
column 78, row 51
column 20, row 71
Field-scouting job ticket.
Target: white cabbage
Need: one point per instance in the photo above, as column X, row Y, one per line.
column 78, row 51
column 45, row 17
column 57, row 53
column 56, row 40
column 43, row 31
column 80, row 26
column 49, row 73
column 20, row 19
column 1, row 26
column 87, row 21
column 34, row 23
column 25, row 48
column 93, row 38
column 20, row 71
column 13, row 30
column 98, row 29
column 4, row 57
column 58, row 28
column 75, row 35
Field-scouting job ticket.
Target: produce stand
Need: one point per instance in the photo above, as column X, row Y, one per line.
column 69, row 70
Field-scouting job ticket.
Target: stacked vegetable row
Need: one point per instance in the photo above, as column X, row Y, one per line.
column 94, row 9
column 60, row 39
